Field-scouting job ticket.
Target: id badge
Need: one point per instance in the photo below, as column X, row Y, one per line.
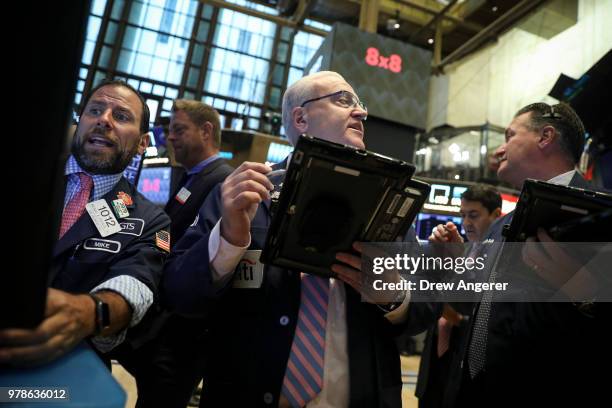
column 183, row 195
column 103, row 217
column 249, row 272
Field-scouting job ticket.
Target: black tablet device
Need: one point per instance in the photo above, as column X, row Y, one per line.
column 566, row 212
column 334, row 195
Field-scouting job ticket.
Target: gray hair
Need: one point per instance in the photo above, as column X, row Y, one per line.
column 295, row 95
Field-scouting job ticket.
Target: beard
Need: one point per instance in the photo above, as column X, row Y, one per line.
column 102, row 163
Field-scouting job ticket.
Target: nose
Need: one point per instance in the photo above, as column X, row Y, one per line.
column 359, row 112
column 105, row 118
column 500, row 151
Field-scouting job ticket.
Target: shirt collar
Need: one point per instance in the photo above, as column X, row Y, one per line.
column 103, row 183
column 563, row 179
column 200, row 166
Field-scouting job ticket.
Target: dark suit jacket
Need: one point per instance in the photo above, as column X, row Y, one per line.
column 82, row 259
column 536, row 353
column 183, row 215
column 251, row 330
column 170, row 336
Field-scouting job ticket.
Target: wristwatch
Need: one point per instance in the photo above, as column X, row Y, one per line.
column 102, row 314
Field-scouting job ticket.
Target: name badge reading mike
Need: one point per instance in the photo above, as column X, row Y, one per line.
column 103, row 217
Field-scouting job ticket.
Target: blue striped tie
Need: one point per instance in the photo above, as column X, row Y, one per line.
column 304, row 375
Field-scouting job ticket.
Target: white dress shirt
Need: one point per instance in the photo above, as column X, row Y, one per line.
column 224, row 257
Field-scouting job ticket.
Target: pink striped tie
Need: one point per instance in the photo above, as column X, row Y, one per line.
column 76, row 206
column 304, row 375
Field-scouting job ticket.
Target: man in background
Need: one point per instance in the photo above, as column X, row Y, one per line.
column 170, row 366
column 480, row 207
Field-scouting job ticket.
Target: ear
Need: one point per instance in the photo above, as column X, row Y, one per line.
column 299, row 119
column 145, row 138
column 207, row 131
column 548, row 134
column 497, row 212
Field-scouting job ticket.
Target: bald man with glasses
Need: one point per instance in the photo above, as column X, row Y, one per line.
column 281, row 337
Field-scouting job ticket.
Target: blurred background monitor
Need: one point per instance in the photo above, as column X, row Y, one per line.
column 277, row 152
column 425, row 223
column 132, row 171
column 158, row 182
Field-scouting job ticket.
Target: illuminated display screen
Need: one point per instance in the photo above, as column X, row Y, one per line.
column 390, row 76
column 425, row 223
column 277, row 152
column 392, row 63
column 131, row 171
column 446, row 198
column 155, row 183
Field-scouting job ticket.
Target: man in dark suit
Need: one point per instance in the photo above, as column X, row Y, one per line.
column 108, row 260
column 280, row 337
column 169, row 366
column 536, row 353
column 480, row 207
column 195, row 135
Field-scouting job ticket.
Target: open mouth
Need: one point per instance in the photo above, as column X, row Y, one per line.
column 356, row 127
column 100, row 141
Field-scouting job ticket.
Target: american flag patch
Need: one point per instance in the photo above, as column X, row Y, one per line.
column 162, row 240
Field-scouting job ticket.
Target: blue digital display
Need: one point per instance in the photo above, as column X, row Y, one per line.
column 155, row 183
column 131, row 171
column 425, row 223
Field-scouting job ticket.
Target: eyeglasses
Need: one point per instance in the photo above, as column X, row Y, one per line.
column 341, row 98
column 552, row 114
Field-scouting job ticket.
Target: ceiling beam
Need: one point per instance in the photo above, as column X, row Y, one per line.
column 492, row 31
column 433, row 21
column 368, row 15
column 302, row 11
column 275, row 19
column 459, row 21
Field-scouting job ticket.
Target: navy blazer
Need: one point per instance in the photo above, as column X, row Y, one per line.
column 251, row 330
column 82, row 259
column 183, row 215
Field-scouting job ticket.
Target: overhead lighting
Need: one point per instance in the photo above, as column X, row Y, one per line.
column 456, row 177
column 151, row 151
column 393, row 23
column 454, row 148
column 430, row 41
column 156, row 160
column 494, row 9
column 433, row 140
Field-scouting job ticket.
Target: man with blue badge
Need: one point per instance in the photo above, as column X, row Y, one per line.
column 281, row 337
column 112, row 243
column 195, row 135
column 169, row 366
